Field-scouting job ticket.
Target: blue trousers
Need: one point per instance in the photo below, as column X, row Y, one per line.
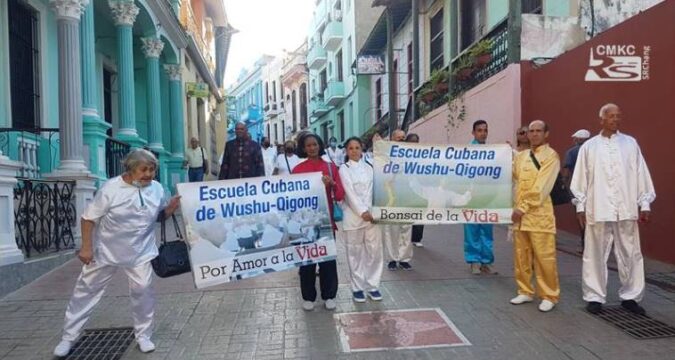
column 478, row 243
column 196, row 174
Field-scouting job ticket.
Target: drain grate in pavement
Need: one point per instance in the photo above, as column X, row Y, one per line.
column 103, row 344
column 638, row 326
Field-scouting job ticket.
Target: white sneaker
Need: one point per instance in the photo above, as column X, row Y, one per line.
column 63, row 348
column 521, row 299
column 418, row 244
column 308, row 305
column 330, row 304
column 145, row 345
column 546, row 306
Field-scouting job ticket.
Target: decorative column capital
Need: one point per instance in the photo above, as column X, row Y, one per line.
column 152, row 47
column 68, row 9
column 174, row 71
column 124, row 12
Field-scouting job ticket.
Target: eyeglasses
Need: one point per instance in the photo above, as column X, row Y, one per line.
column 521, row 133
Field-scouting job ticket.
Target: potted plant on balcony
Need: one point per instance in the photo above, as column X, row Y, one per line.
column 426, row 95
column 482, row 52
column 439, row 81
column 464, row 69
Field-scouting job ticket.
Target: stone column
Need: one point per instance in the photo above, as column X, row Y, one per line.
column 176, row 106
column 94, row 128
column 152, row 48
column 9, row 252
column 68, row 14
column 124, row 13
column 176, row 171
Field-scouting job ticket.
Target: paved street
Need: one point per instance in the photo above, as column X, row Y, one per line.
column 262, row 319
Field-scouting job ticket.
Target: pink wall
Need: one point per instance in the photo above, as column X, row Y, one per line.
column 496, row 100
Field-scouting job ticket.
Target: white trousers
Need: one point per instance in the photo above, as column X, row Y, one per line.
column 626, row 239
column 89, row 290
column 364, row 257
column 397, row 242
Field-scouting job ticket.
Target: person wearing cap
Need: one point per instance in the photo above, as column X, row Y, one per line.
column 579, row 138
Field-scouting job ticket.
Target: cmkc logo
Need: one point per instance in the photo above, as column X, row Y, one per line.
column 618, row 63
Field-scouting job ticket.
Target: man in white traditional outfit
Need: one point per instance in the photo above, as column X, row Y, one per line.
column 118, row 232
column 397, row 237
column 334, row 153
column 613, row 191
column 269, row 154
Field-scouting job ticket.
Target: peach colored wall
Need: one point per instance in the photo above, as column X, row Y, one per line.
column 496, row 100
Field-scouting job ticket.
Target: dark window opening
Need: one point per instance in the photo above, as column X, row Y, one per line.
column 436, row 41
column 378, row 98
column 24, row 64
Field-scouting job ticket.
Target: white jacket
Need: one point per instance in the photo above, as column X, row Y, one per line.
column 357, row 180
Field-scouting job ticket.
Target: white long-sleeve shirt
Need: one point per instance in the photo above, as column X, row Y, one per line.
column 269, row 159
column 337, row 156
column 611, row 181
column 357, row 180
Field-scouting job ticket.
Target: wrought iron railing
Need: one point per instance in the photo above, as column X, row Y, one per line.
column 115, row 151
column 477, row 72
column 498, row 59
column 44, row 215
column 36, row 149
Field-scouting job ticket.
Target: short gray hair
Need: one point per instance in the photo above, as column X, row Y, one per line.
column 606, row 107
column 138, row 157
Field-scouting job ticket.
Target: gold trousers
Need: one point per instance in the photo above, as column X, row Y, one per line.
column 536, row 250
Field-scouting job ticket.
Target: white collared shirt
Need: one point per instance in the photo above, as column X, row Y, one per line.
column 611, row 181
column 357, row 180
column 269, row 158
column 125, row 217
column 286, row 163
column 337, row 156
column 195, row 157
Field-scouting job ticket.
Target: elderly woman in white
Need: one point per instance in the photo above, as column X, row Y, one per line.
column 118, row 232
column 362, row 237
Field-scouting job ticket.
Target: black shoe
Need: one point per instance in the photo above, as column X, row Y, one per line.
column 391, row 266
column 405, row 266
column 594, row 307
column 633, row 307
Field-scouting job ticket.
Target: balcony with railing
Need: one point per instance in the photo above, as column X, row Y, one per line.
column 317, row 107
column 190, row 24
column 36, row 149
column 334, row 93
column 316, row 57
column 477, row 63
column 332, row 35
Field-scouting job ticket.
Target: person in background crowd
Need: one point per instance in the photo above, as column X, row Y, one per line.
column 362, row 237
column 534, row 173
column 286, row 161
column 478, row 238
column 397, row 237
column 579, row 138
column 195, row 159
column 242, row 157
column 269, row 154
column 417, row 230
column 312, row 149
column 522, row 142
column 334, row 153
column 613, row 190
column 118, row 232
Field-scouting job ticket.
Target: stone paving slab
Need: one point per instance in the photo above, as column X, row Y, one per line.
column 253, row 320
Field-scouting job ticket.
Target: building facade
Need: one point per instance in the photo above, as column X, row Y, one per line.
column 339, row 101
column 82, row 83
column 294, row 81
column 273, row 102
column 249, row 98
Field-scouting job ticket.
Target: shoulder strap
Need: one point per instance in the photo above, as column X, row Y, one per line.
column 534, row 160
column 202, row 149
column 287, row 164
column 367, row 162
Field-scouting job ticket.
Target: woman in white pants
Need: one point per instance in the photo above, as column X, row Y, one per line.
column 118, row 232
column 362, row 237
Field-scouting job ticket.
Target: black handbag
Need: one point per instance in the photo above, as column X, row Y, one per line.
column 173, row 258
column 560, row 194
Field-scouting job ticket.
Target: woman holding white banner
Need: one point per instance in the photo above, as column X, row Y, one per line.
column 362, row 238
column 118, row 232
column 311, row 147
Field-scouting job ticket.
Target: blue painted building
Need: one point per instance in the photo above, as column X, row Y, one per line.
column 247, row 95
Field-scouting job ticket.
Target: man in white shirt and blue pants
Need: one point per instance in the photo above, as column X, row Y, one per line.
column 613, row 191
